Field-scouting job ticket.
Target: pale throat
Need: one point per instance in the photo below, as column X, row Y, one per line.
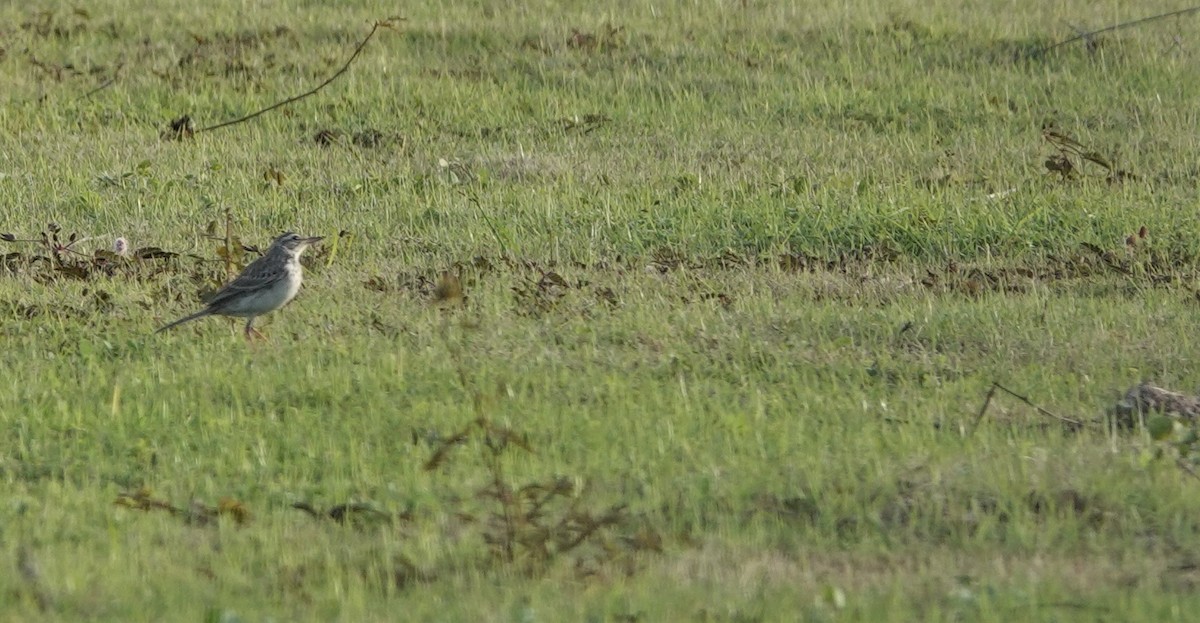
column 294, row 271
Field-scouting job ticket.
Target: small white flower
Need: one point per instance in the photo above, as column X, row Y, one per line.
column 120, row 246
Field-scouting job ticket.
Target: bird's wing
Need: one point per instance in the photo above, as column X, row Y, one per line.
column 261, row 273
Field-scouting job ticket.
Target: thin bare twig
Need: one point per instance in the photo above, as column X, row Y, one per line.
column 1123, row 25
column 987, row 400
column 1064, row 420
column 103, row 85
column 385, row 23
column 495, row 233
column 1074, row 424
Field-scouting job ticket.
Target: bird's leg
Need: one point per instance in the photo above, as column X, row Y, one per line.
column 251, row 331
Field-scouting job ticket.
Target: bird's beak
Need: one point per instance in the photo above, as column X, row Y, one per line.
column 313, row 240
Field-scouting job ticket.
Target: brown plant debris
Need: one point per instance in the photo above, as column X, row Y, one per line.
column 449, row 290
column 1072, row 154
column 583, row 124
column 351, row 513
column 326, row 137
column 530, row 525
column 196, row 513
column 607, row 40
column 537, row 297
column 178, row 129
column 368, row 138
column 59, row 255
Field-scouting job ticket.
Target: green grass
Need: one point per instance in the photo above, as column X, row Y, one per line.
column 791, row 249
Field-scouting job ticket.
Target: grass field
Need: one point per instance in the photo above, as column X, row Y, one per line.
column 627, row 311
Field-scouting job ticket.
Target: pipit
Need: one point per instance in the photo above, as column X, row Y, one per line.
column 267, row 284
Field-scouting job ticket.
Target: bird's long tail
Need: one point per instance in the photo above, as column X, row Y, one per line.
column 200, row 314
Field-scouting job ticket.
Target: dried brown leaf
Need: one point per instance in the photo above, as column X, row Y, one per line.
column 235, row 509
column 449, row 289
column 153, row 253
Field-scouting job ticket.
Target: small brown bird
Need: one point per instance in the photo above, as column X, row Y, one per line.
column 267, row 284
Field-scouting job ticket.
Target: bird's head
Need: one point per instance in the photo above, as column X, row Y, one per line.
column 293, row 243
